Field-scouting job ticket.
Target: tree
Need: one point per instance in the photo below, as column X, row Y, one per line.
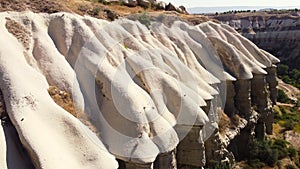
column 282, row 97
column 295, row 74
column 282, row 70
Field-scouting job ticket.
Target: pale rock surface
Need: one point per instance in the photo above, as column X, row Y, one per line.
column 277, row 33
column 142, row 90
column 39, row 121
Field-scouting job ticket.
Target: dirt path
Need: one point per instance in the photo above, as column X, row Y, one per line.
column 292, row 92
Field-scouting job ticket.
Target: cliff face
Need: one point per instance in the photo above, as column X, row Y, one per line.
column 165, row 94
column 276, row 33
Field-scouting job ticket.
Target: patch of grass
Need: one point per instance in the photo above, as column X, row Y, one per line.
column 145, row 20
column 63, row 99
column 288, row 117
column 289, row 76
column 297, row 128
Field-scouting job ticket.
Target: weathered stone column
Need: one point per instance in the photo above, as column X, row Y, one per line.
column 260, row 100
column 259, row 94
column 239, row 146
column 213, row 146
column 242, row 99
column 166, row 161
column 190, row 150
column 230, row 94
column 272, row 82
column 130, row 165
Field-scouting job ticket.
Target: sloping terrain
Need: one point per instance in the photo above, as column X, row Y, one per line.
column 81, row 92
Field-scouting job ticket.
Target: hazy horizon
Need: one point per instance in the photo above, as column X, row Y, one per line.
column 229, row 3
column 215, row 9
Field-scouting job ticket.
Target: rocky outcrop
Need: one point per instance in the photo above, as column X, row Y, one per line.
column 160, row 5
column 170, row 7
column 277, row 33
column 131, row 3
column 154, row 95
column 144, row 3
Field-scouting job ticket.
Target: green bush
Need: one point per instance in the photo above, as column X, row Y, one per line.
column 282, row 97
column 292, row 152
column 289, row 124
column 284, row 113
column 263, row 151
column 268, row 152
column 96, row 11
column 145, row 20
column 277, row 116
column 222, row 166
column 289, row 118
column 298, row 102
column 255, row 164
column 282, row 69
column 291, row 77
column 218, row 165
column 281, row 146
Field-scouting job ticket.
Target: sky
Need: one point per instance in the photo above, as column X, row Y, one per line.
column 219, row 3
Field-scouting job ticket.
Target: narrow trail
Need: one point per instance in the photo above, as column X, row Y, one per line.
column 292, row 92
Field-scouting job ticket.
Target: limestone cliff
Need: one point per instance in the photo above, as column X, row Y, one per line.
column 276, row 33
column 135, row 93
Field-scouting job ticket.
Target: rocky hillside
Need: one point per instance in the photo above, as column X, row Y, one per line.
column 277, row 33
column 143, row 92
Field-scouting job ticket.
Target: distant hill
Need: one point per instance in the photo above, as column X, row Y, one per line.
column 228, row 8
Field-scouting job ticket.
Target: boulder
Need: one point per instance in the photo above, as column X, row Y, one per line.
column 183, row 9
column 144, row 3
column 130, row 3
column 160, row 5
column 170, row 7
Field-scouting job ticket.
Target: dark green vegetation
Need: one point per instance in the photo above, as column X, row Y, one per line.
column 220, row 166
column 288, row 118
column 145, row 20
column 277, row 152
column 289, row 76
column 269, row 152
column 274, row 11
column 282, row 97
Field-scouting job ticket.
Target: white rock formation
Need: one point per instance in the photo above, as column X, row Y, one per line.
column 277, row 33
column 135, row 85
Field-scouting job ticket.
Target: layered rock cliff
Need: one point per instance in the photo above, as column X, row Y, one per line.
column 277, row 33
column 87, row 93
